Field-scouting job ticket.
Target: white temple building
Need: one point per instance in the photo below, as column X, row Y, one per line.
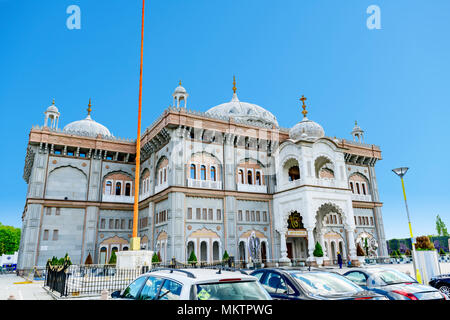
column 208, row 182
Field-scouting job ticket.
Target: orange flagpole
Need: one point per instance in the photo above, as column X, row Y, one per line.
column 135, row 240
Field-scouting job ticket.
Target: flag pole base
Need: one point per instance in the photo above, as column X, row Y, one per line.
column 135, row 244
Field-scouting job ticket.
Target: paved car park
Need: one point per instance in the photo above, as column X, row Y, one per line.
column 21, row 289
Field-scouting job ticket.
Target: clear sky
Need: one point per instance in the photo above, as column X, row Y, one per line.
column 394, row 81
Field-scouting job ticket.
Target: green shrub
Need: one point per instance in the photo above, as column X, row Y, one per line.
column 155, row 258
column 192, row 258
column 225, row 256
column 441, row 252
column 113, row 258
column 318, row 252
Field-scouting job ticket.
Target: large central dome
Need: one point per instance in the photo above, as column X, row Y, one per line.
column 87, row 127
column 247, row 112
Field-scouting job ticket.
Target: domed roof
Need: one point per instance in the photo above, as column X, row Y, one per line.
column 87, row 127
column 306, row 130
column 52, row 108
column 247, row 112
column 180, row 89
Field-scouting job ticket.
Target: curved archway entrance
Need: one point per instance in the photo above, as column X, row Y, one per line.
column 296, row 238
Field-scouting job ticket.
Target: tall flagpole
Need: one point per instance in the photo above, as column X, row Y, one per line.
column 135, row 243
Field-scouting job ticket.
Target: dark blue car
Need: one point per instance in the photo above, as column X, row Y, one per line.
column 441, row 282
column 393, row 284
column 302, row 284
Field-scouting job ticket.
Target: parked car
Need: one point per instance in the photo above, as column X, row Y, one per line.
column 305, row 284
column 193, row 284
column 441, row 282
column 393, row 284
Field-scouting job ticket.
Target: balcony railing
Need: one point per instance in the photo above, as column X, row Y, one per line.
column 362, row 197
column 206, row 184
column 161, row 187
column 252, row 188
column 114, row 198
column 323, row 182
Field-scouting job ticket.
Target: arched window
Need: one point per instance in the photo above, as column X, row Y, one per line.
column 203, row 172
column 357, row 188
column 108, row 187
column 241, row 176
column 258, row 178
column 193, row 171
column 294, row 173
column 351, row 187
column 363, row 188
column 160, row 176
column 128, row 189
column 213, row 173
column 249, row 177
column 165, row 174
column 118, row 189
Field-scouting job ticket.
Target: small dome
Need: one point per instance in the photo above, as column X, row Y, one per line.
column 180, row 89
column 306, row 130
column 87, row 127
column 52, row 108
column 248, row 112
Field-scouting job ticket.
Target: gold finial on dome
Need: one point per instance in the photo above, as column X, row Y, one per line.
column 304, row 112
column 234, row 84
column 89, row 109
column 179, row 83
column 53, row 103
column 356, row 123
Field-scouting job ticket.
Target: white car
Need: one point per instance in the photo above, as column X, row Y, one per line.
column 194, row 284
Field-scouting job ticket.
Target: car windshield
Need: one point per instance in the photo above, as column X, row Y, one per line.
column 326, row 284
column 390, row 276
column 242, row 290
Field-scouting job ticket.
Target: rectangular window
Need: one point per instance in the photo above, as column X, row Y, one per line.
column 122, row 224
column 355, row 220
column 102, row 224
column 371, row 221
column 130, row 224
column 253, row 215
column 189, row 214
column 204, row 214
column 45, row 235
column 116, row 225
column 156, row 218
column 55, row 234
column 240, row 215
column 247, row 215
column 111, row 223
column 265, row 216
column 219, row 214
column 48, row 211
column 258, row 216
column 198, row 214
column 359, row 220
column 210, row 214
column 58, row 211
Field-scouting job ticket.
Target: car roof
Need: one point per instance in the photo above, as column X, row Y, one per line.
column 371, row 269
column 199, row 275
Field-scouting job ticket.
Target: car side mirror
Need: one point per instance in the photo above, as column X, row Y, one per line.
column 115, row 294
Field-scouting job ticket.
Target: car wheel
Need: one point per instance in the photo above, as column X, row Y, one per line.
column 445, row 290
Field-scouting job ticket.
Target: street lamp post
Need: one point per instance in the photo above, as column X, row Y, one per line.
column 401, row 172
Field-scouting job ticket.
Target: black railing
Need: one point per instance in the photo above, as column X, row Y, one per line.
column 56, row 279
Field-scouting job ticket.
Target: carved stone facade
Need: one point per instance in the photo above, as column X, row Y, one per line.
column 210, row 181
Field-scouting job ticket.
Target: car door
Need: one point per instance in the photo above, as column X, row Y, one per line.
column 276, row 286
column 132, row 291
column 151, row 288
column 170, row 290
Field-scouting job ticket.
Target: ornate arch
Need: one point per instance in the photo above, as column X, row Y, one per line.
column 67, row 166
column 326, row 208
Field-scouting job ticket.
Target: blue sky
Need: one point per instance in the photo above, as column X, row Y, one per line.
column 394, row 81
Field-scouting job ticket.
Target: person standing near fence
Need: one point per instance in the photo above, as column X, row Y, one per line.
column 339, row 258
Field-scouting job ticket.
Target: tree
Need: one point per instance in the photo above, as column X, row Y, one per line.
column 225, row 256
column 113, row 258
column 318, row 252
column 9, row 239
column 88, row 259
column 441, row 228
column 359, row 251
column 155, row 258
column 192, row 258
